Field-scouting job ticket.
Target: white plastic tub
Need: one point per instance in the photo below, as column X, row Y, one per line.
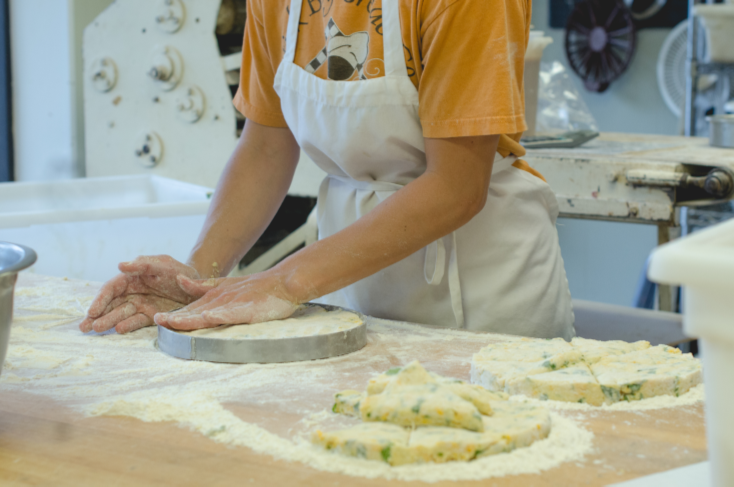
column 704, row 264
column 536, row 45
column 718, row 19
column 83, row 228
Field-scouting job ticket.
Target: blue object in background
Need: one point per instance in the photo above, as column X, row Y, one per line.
column 692, row 219
column 645, row 292
column 6, row 121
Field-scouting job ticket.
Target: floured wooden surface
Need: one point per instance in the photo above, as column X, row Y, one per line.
column 275, row 398
column 657, row 148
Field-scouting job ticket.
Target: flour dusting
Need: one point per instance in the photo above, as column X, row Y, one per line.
column 269, row 408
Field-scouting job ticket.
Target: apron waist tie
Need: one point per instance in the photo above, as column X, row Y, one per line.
column 435, row 252
column 436, row 255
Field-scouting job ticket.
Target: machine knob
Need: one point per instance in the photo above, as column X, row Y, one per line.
column 190, row 105
column 166, row 67
column 104, row 74
column 171, row 15
column 149, row 149
column 160, row 73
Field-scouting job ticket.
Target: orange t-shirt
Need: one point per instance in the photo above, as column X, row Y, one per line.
column 465, row 57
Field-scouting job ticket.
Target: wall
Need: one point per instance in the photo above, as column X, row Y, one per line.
column 46, row 60
column 604, row 260
column 41, row 76
column 633, row 102
column 81, row 14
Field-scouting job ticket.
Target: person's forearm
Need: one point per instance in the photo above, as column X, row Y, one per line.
column 249, row 193
column 440, row 201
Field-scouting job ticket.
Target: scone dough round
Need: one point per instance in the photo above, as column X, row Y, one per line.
column 585, row 371
column 306, row 321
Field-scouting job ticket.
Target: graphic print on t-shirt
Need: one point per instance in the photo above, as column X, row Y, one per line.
column 343, row 54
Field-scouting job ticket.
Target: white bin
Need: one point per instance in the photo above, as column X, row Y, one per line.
column 83, row 228
column 704, row 264
column 718, row 19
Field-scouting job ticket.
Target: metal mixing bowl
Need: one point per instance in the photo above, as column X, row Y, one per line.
column 13, row 259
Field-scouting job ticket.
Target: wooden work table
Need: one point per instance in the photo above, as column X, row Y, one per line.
column 43, row 442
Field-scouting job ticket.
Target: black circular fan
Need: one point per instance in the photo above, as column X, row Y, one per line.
column 600, row 41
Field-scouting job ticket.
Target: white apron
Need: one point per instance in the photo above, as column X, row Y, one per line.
column 501, row 272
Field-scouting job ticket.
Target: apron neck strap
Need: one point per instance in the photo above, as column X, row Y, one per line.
column 291, row 35
column 393, row 40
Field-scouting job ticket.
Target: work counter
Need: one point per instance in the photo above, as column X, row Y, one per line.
column 66, row 402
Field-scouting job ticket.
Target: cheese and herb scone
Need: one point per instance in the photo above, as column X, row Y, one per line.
column 494, row 375
column 514, row 426
column 595, row 350
column 372, row 441
column 440, row 445
column 347, row 402
column 411, row 375
column 575, row 383
column 657, row 371
column 633, row 382
column 586, row 371
column 520, row 424
column 414, row 416
column 658, row 355
column 415, row 374
column 421, row 405
column 477, row 395
column 524, row 350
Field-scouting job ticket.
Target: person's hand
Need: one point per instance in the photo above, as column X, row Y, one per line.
column 147, row 286
column 230, row 301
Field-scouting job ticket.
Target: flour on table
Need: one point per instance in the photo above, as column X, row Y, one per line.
column 306, row 321
column 111, row 374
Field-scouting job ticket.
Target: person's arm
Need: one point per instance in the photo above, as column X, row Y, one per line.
column 250, row 191
column 451, row 191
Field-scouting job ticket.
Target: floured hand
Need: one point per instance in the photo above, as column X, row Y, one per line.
column 229, row 301
column 147, row 286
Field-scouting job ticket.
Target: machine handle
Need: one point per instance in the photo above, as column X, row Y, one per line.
column 719, row 182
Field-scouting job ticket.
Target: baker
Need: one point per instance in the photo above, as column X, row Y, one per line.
column 414, row 109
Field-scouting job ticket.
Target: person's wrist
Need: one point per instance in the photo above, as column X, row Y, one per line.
column 293, row 285
column 204, row 270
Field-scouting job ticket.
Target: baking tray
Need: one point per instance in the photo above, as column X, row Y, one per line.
column 273, row 350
